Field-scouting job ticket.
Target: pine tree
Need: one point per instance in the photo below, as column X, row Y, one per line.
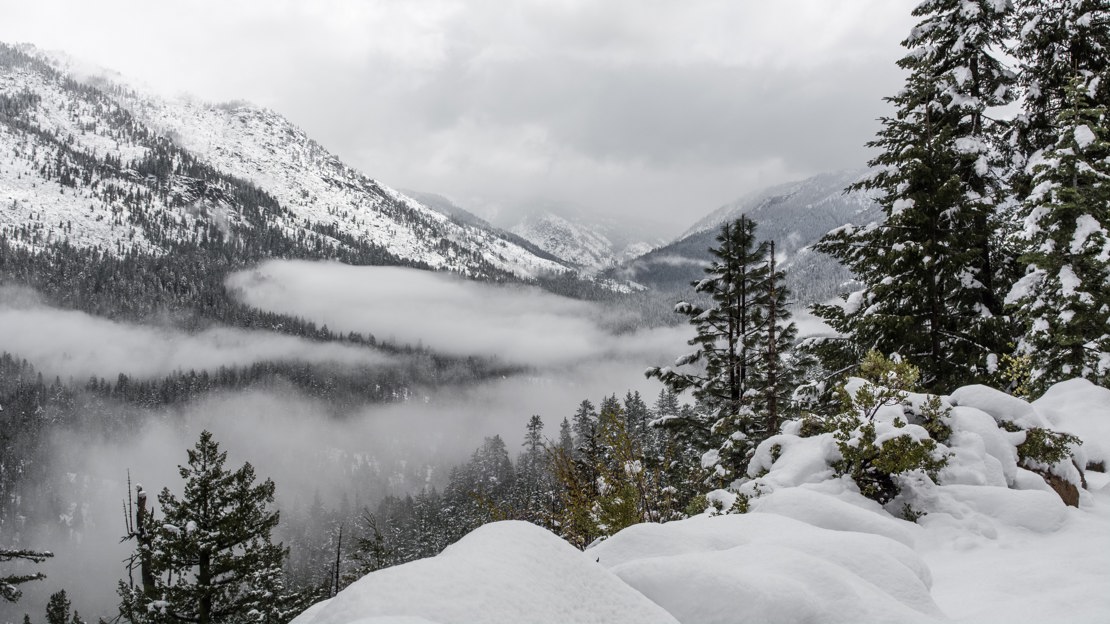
column 57, row 608
column 213, row 557
column 584, row 425
column 1056, row 41
column 566, row 439
column 933, row 269
column 727, row 331
column 743, row 337
column 778, row 374
column 1063, row 302
column 8, row 583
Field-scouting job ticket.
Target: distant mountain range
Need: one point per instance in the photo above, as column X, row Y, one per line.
column 591, row 244
column 92, row 162
column 795, row 215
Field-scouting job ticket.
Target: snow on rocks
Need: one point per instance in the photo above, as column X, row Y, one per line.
column 835, row 508
column 1003, row 407
column 501, row 572
column 1079, row 407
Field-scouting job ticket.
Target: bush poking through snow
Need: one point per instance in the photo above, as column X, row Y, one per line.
column 885, row 381
column 874, row 458
column 873, row 453
column 1043, row 448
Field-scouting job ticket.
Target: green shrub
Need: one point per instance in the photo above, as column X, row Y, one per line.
column 1045, row 446
column 874, row 467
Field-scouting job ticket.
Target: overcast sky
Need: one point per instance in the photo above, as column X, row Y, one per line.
column 658, row 109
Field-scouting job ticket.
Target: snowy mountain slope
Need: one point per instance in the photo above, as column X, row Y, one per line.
column 823, row 192
column 457, row 213
column 794, row 215
column 591, row 244
column 97, row 163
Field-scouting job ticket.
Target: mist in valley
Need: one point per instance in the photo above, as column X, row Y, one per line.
column 562, row 351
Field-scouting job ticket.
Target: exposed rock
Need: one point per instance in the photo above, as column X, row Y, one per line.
column 1066, row 490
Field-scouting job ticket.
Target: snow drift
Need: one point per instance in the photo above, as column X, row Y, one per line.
column 995, row 543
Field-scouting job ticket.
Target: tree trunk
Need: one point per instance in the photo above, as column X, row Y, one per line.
column 145, row 566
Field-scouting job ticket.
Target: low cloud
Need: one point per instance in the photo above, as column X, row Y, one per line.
column 519, row 325
column 73, row 344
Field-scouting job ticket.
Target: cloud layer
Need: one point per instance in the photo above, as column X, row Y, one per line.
column 73, row 344
column 520, row 325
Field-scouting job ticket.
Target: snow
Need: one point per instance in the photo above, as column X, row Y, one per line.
column 1084, row 136
column 1080, row 407
column 502, row 572
column 996, row 544
column 250, row 143
column 763, row 568
column 1085, row 226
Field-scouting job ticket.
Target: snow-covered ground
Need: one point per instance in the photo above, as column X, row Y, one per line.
column 996, row 545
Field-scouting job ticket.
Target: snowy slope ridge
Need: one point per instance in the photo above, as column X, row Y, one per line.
column 820, row 193
column 996, row 544
column 794, row 216
column 501, row 572
column 592, row 245
column 98, row 163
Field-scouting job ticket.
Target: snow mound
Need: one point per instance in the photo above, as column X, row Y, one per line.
column 835, row 513
column 1002, row 406
column 762, row 567
column 501, row 572
column 982, row 453
column 1079, row 407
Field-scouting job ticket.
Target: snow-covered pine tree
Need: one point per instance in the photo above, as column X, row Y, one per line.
column 1062, row 172
column 566, row 440
column 584, row 425
column 779, row 374
column 1056, row 40
column 732, row 353
column 57, row 608
column 213, row 556
column 9, row 583
column 1063, row 302
column 931, row 270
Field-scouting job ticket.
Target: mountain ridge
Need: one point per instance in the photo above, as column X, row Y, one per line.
column 140, row 170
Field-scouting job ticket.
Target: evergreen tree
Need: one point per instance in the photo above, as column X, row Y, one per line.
column 779, row 375
column 1056, row 41
column 584, row 425
column 212, row 555
column 57, row 608
column 932, row 269
column 1063, row 302
column 534, row 492
column 566, row 439
column 742, row 341
column 9, row 589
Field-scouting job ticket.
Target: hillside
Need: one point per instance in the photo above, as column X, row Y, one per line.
column 588, row 242
column 97, row 164
column 794, row 215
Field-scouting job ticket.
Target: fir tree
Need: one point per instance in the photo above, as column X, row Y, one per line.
column 566, row 439
column 932, row 269
column 213, row 557
column 743, row 337
column 584, row 425
column 1063, row 302
column 9, row 589
column 1056, row 41
column 57, row 608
